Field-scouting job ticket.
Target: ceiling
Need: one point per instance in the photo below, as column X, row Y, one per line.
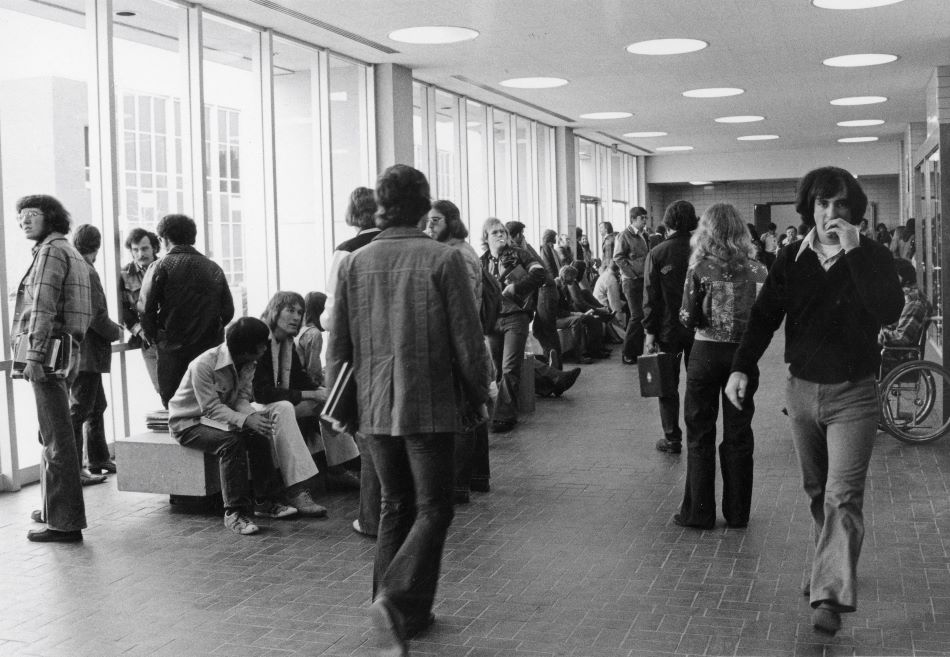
column 771, row 48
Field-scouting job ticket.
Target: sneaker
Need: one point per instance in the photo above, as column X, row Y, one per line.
column 358, row 528
column 239, row 523
column 669, row 446
column 305, row 505
column 272, row 509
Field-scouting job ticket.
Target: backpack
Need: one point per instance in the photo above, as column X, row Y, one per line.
column 490, row 304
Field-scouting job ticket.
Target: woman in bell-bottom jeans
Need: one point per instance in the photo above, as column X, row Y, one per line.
column 834, row 290
column 721, row 285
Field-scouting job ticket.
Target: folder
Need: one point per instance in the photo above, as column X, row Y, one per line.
column 341, row 406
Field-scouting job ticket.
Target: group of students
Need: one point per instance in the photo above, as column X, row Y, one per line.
column 435, row 335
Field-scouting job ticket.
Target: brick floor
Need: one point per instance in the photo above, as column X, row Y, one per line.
column 572, row 553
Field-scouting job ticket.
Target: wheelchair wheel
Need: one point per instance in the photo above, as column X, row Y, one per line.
column 915, row 402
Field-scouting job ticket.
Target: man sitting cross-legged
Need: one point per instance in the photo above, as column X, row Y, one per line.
column 212, row 412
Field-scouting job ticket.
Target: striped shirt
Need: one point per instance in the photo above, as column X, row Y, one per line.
column 54, row 297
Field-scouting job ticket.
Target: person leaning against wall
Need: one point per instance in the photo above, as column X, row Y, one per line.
column 834, row 290
column 53, row 302
column 87, row 397
column 143, row 246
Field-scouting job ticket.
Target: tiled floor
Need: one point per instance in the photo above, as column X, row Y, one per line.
column 572, row 553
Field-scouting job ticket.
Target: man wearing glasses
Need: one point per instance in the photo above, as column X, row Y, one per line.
column 53, row 303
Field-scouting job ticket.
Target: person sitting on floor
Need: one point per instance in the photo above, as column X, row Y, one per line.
column 906, row 331
column 211, row 411
column 280, row 376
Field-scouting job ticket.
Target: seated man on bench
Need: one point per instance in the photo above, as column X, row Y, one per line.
column 211, row 411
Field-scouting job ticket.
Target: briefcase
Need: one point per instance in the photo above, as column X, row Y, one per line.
column 658, row 374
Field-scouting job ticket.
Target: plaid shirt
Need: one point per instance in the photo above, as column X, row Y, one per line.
column 54, row 297
column 906, row 332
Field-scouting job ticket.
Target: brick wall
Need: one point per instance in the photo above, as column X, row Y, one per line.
column 882, row 190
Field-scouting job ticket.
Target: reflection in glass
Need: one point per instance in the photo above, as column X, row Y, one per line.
column 501, row 130
column 298, row 160
column 349, row 137
column 525, row 183
column 233, row 158
column 478, row 186
column 149, row 87
column 420, row 133
column 44, row 136
column 447, row 170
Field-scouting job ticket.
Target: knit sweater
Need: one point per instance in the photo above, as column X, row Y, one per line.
column 831, row 317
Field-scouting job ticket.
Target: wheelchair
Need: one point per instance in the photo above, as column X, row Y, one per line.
column 915, row 394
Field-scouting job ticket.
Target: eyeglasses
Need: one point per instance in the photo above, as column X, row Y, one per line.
column 29, row 214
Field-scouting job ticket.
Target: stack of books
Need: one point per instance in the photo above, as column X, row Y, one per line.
column 157, row 421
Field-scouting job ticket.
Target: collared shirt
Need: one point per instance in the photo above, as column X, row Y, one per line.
column 826, row 262
column 130, row 283
column 212, row 392
column 54, row 298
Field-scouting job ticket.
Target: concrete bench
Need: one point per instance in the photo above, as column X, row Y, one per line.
column 153, row 462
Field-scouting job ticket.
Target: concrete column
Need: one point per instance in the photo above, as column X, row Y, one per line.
column 394, row 141
column 565, row 165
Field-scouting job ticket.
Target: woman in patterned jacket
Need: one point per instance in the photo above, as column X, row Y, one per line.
column 721, row 286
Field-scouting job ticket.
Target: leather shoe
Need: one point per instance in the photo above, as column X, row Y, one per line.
column 388, row 624
column 106, row 467
column 678, row 520
column 565, row 381
column 342, row 480
column 53, row 536
column 86, row 478
column 826, row 619
column 502, row 426
column 37, row 516
column 669, row 446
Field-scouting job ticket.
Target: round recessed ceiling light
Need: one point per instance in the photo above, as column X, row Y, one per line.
column 757, row 137
column 699, row 183
column 645, row 135
column 859, row 100
column 860, row 123
column 865, row 59
column 673, row 149
column 666, row 46
column 856, row 140
column 533, row 83
column 433, row 34
column 751, row 118
column 714, row 92
column 604, row 116
column 852, row 4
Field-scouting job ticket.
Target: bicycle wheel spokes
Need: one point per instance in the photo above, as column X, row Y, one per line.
column 915, row 399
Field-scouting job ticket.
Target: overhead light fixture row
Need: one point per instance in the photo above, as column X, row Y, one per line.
column 749, row 118
column 864, row 59
column 666, row 46
column 859, row 100
column 860, row 123
column 433, row 34
column 713, row 92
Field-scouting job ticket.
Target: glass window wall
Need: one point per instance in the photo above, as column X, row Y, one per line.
column 44, row 132
column 48, row 144
column 448, row 179
column 479, row 189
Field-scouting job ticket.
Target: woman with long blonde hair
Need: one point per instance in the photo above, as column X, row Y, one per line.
column 721, row 286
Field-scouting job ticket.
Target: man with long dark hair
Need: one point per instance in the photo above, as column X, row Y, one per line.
column 53, row 303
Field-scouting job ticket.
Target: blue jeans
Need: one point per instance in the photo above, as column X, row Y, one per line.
column 507, row 344
column 63, row 505
column 235, row 451
column 834, row 427
column 670, row 406
column 706, row 377
column 416, row 475
column 87, row 404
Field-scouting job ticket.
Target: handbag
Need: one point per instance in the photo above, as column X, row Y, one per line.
column 658, row 374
